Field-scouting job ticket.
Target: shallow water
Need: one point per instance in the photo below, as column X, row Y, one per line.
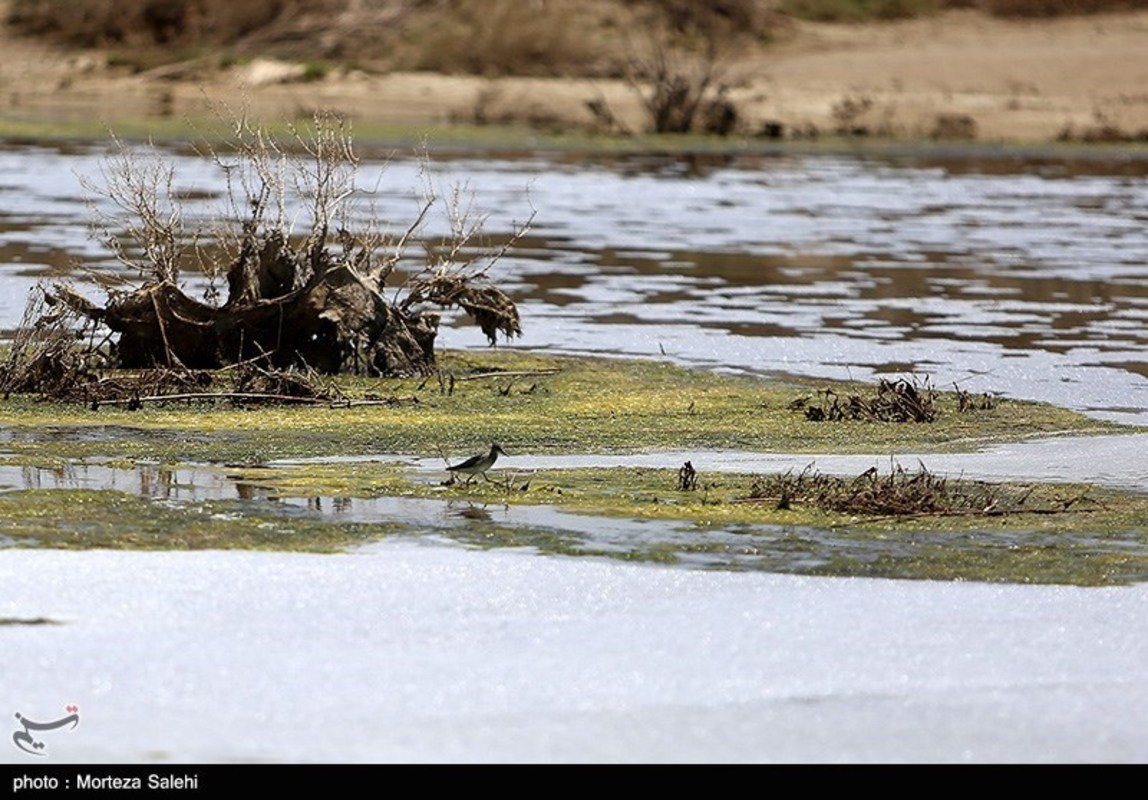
column 545, row 529
column 1031, row 284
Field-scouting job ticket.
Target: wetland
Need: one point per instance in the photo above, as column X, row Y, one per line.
column 676, row 308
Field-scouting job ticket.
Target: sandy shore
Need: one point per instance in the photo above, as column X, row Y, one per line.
column 1017, row 81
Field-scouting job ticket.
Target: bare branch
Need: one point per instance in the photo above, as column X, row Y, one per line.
column 149, row 217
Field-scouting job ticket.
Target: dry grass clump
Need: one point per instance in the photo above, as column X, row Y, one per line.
column 898, row 493
column 902, row 493
column 895, row 401
column 968, row 403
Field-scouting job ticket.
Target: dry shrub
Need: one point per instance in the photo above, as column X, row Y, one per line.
column 683, row 92
column 457, row 273
column 1102, row 130
column 505, row 37
column 954, row 126
column 847, row 115
column 684, row 78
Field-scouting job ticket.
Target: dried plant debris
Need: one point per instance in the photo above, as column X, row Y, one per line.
column 134, row 388
column 491, row 308
column 901, row 493
column 61, row 353
column 900, row 400
column 968, row 403
column 52, row 351
column 248, row 384
column 256, row 381
column 60, row 362
column 687, row 478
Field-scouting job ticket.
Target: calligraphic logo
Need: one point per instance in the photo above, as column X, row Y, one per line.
column 25, row 741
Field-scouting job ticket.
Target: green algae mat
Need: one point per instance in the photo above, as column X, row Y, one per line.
column 345, row 447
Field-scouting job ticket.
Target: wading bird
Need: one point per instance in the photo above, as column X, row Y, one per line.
column 478, row 465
